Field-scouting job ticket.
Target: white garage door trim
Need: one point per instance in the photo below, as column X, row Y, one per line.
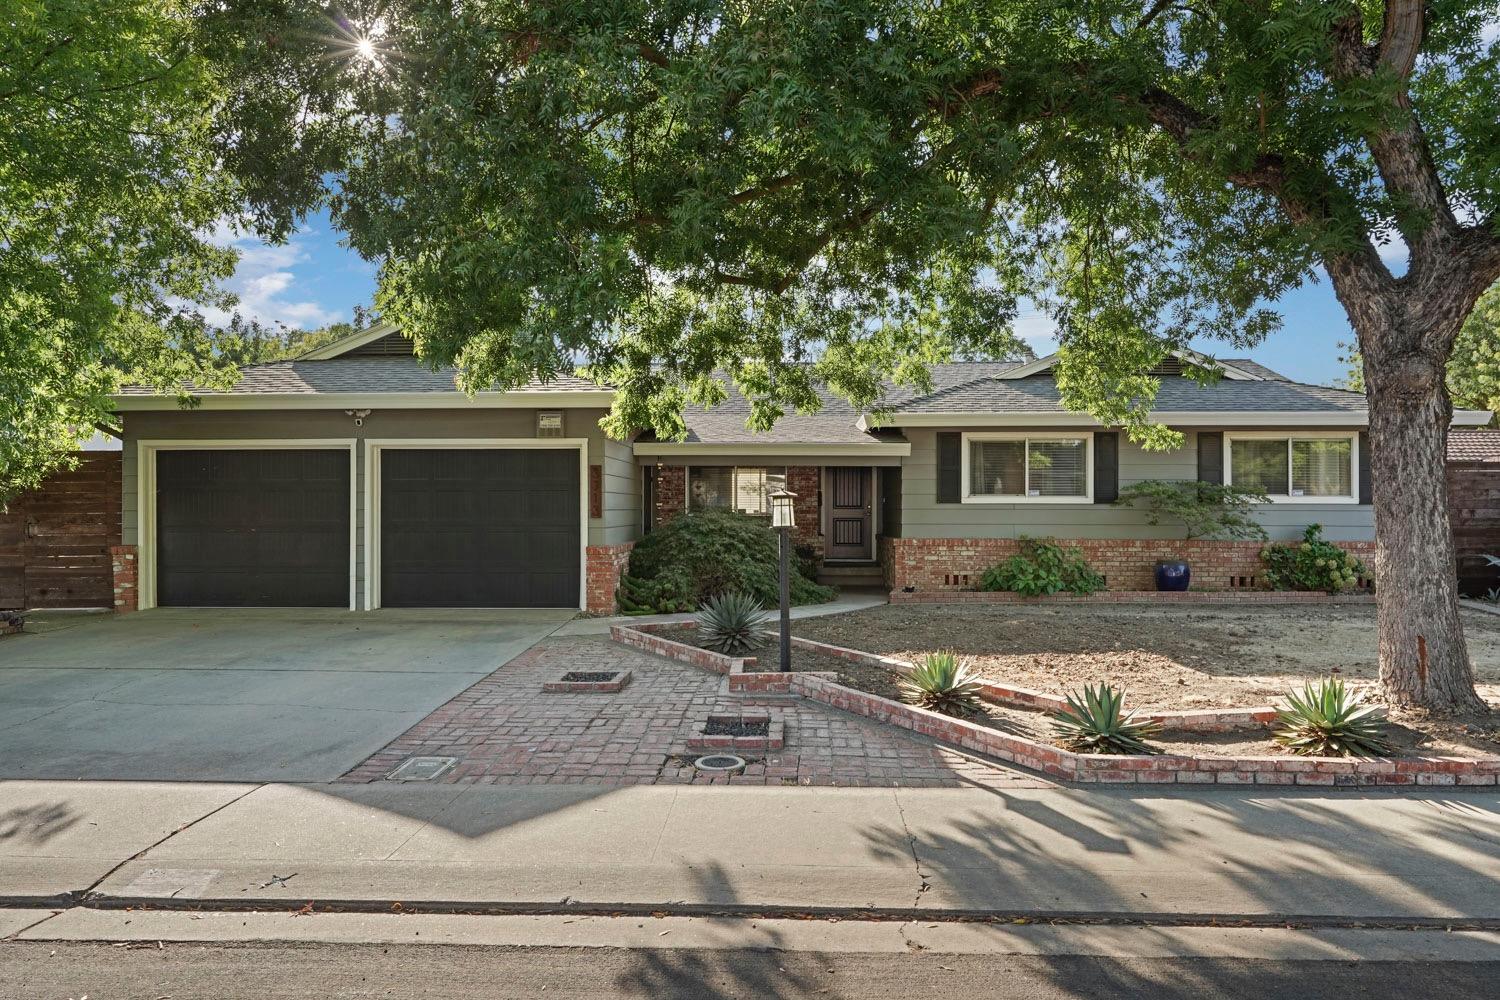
column 373, row 448
column 146, row 451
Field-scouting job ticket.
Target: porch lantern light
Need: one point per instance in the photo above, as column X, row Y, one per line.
column 783, row 514
column 784, row 519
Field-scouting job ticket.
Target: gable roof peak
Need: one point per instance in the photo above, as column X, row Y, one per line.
column 1227, row 369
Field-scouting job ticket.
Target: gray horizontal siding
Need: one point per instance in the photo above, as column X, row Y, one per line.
column 923, row 517
column 622, row 495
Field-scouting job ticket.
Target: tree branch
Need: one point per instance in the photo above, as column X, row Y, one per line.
column 1401, row 38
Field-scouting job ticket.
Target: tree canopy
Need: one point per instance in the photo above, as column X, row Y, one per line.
column 796, row 191
column 107, row 187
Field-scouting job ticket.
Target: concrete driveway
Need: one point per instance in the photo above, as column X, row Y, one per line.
column 237, row 695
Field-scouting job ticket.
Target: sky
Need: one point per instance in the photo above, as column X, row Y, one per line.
column 312, row 280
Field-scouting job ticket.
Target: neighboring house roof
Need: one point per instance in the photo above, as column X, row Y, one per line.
column 1474, row 446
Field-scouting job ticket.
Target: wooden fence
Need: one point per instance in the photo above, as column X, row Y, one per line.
column 54, row 541
column 1474, row 509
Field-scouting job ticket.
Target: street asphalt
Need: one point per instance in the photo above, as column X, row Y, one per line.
column 51, row 971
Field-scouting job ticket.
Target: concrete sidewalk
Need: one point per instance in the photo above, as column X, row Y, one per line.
column 1157, row 856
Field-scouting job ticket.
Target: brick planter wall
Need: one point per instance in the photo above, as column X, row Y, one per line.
column 951, row 564
column 1158, row 769
column 123, row 567
column 1131, row 597
column 606, row 564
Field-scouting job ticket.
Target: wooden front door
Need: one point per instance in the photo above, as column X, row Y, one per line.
column 850, row 531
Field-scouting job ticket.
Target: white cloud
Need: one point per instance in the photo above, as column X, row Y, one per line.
column 267, row 283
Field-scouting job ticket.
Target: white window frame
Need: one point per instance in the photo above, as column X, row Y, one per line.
column 688, row 483
column 1352, row 437
column 145, row 476
column 375, row 446
column 1088, row 466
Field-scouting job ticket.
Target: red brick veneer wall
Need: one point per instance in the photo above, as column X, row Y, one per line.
column 930, row 564
column 124, row 566
column 606, row 563
column 804, row 480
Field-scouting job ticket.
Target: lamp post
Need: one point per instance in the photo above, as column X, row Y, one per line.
column 784, row 519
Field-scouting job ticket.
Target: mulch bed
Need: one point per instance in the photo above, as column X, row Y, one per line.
column 721, row 726
column 1164, row 658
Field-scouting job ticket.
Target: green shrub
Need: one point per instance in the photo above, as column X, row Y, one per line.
column 1094, row 723
column 1043, row 567
column 943, row 683
column 732, row 623
column 1326, row 720
column 1313, row 565
column 701, row 553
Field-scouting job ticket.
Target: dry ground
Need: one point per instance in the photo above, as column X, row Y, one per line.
column 1166, row 657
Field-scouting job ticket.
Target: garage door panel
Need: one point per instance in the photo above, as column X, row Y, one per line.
column 476, row 527
column 252, row 528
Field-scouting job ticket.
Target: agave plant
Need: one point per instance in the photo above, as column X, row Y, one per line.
column 1094, row 722
column 732, row 623
column 943, row 683
column 1328, row 720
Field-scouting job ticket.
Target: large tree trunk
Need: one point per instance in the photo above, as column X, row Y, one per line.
column 1424, row 661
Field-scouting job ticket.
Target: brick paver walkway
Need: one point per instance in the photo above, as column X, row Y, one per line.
column 505, row 731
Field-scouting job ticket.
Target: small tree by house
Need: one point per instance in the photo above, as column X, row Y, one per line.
column 1205, row 510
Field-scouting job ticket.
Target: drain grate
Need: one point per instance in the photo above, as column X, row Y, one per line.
column 422, row 768
column 720, row 763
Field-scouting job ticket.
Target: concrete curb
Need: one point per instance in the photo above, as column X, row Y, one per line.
column 245, row 904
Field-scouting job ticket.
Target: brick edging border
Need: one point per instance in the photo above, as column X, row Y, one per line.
column 1064, row 764
column 1131, row 597
column 1158, row 769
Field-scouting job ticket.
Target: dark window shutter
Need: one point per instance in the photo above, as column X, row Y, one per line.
column 1106, row 467
column 1366, row 493
column 949, row 467
column 1210, row 457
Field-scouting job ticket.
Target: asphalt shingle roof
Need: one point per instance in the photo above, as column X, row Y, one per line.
column 1039, row 394
column 372, row 375
column 961, row 387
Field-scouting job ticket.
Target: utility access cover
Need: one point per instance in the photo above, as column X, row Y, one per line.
column 422, row 768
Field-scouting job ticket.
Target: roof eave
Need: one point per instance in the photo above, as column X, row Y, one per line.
column 1052, row 418
column 849, row 449
column 521, row 398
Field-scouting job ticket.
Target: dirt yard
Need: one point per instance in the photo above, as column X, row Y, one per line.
column 1166, row 657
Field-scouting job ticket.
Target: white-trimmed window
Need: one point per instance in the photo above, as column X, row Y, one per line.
column 1028, row 468
column 746, row 489
column 1309, row 468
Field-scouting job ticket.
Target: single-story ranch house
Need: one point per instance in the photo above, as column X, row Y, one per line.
column 357, row 477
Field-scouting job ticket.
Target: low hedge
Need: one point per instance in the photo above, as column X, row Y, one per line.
column 699, row 554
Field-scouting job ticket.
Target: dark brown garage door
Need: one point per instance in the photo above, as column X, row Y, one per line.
column 252, row 528
column 479, row 528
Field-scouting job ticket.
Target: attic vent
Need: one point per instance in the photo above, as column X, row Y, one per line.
column 392, row 345
column 1168, row 366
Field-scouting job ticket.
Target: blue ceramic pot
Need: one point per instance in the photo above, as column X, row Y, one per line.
column 1173, row 574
